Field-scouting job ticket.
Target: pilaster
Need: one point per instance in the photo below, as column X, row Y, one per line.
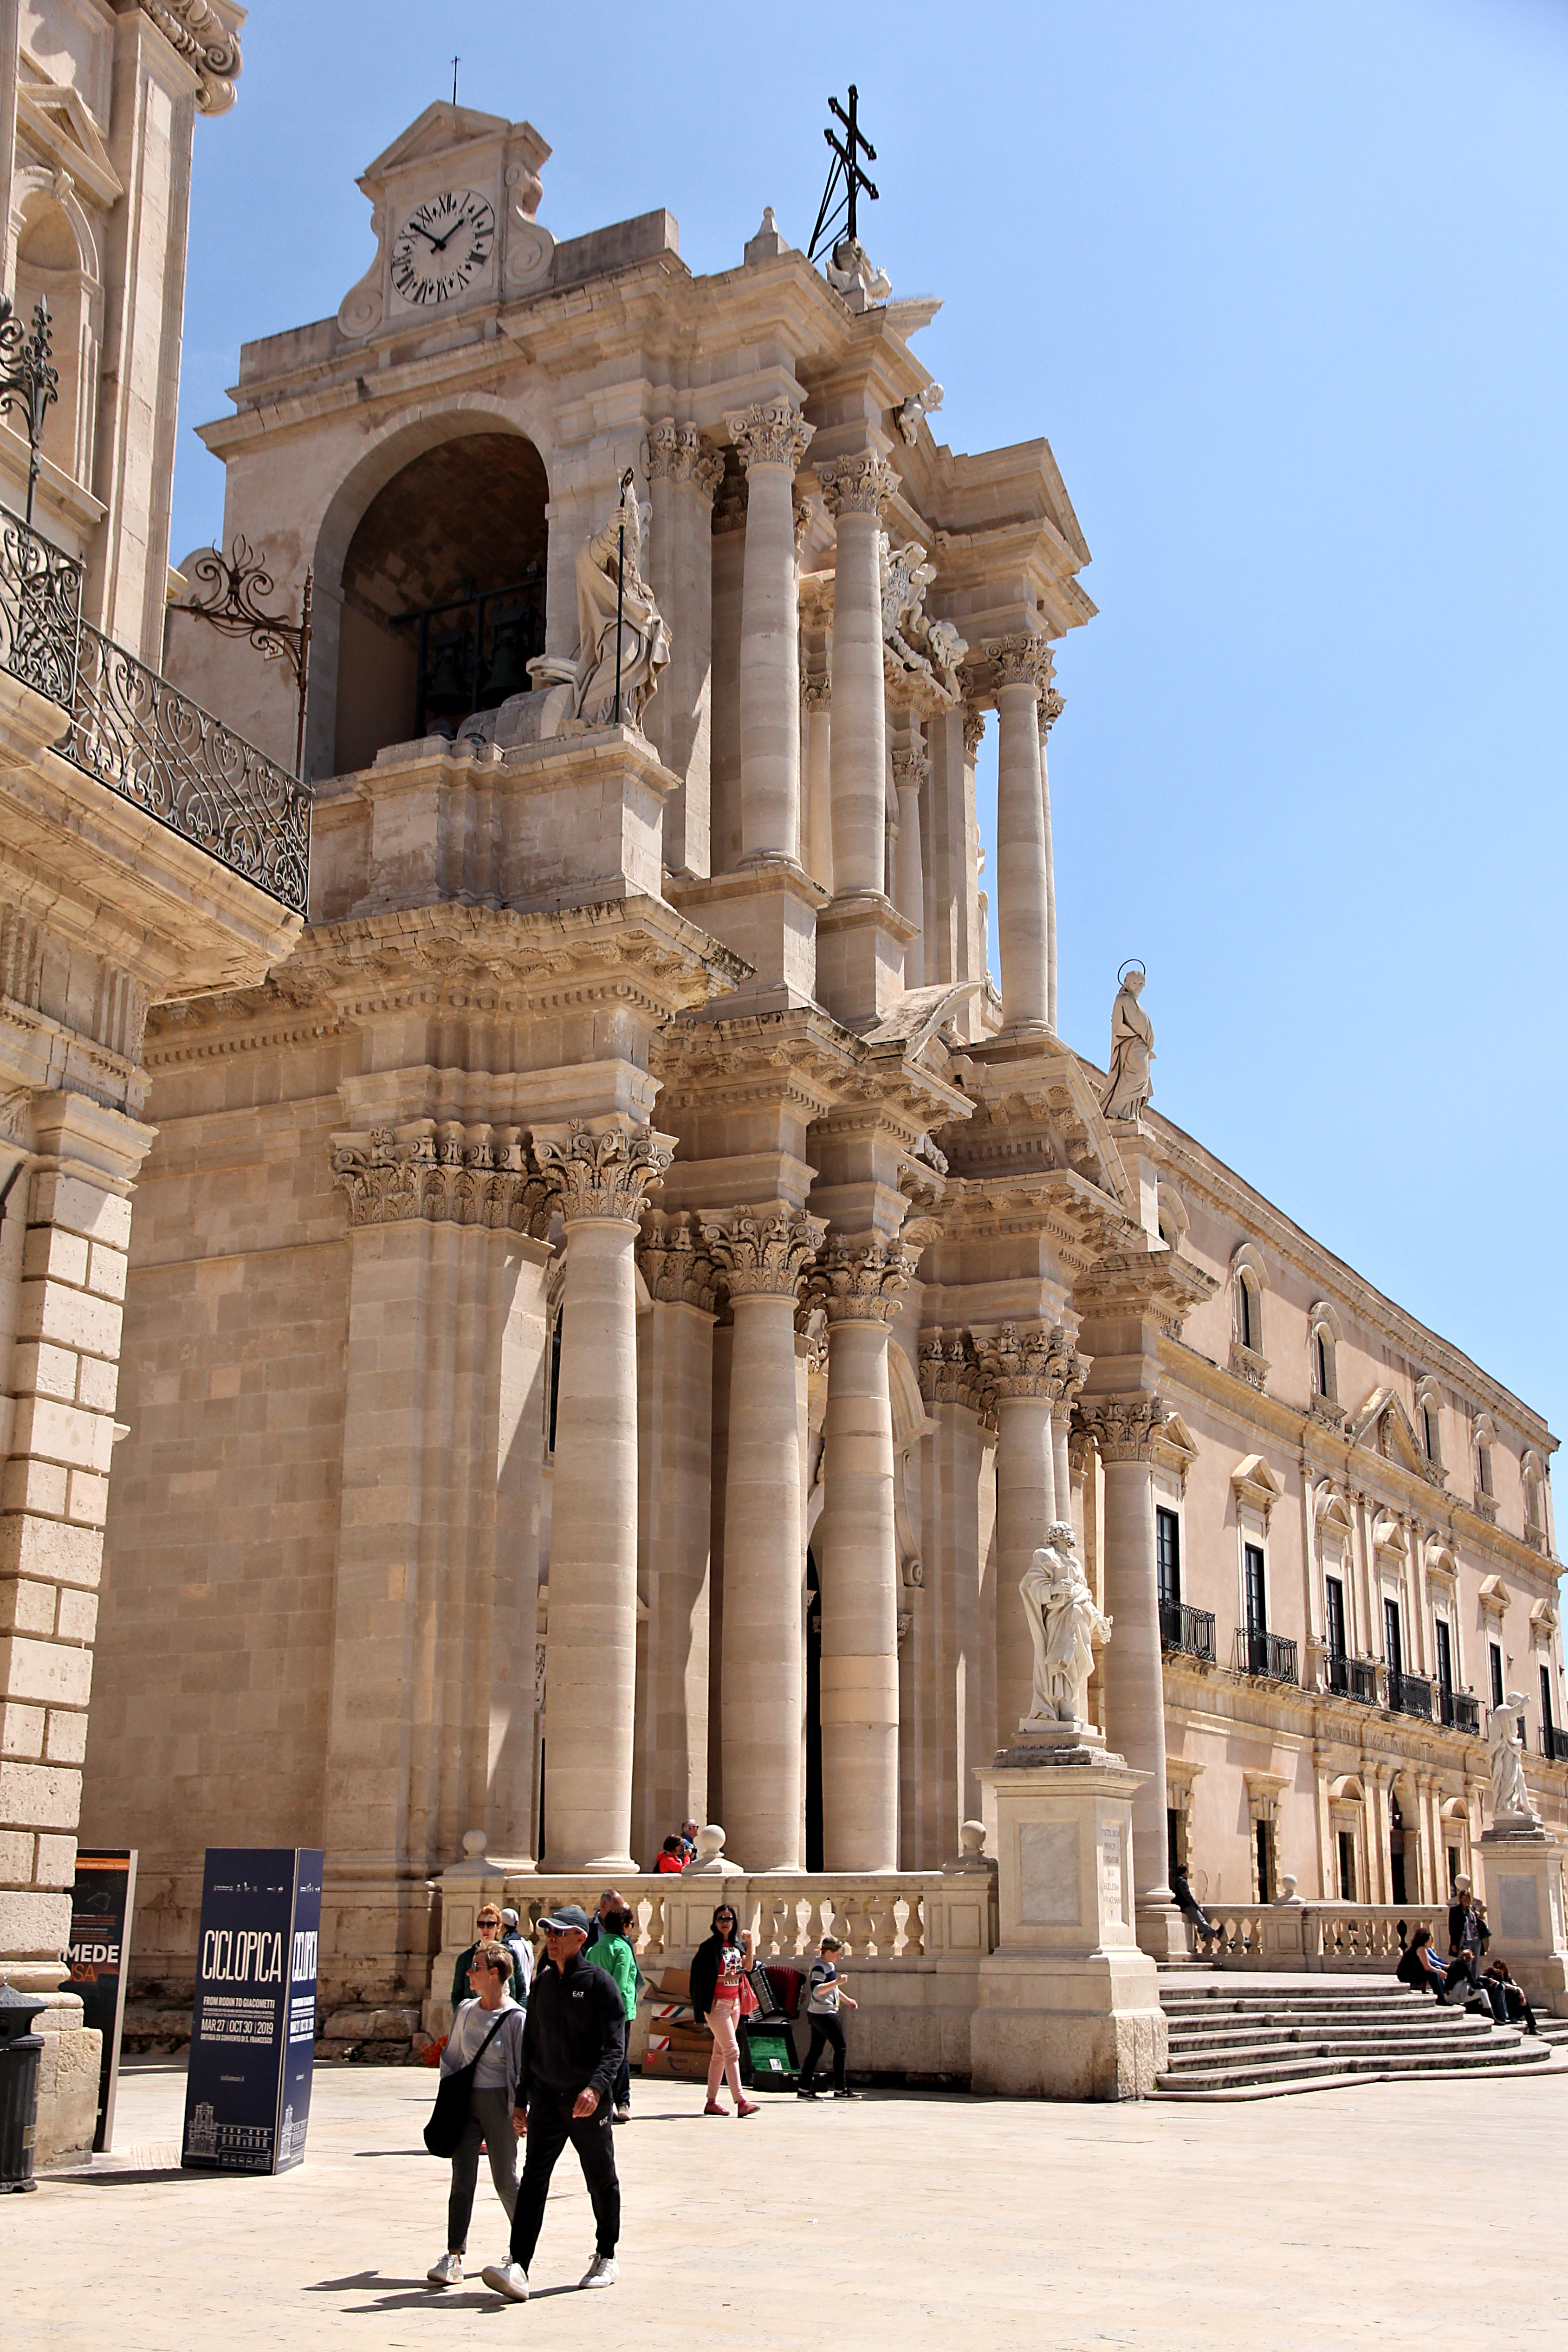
column 683, row 475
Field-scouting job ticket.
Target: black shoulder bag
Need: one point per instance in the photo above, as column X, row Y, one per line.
column 450, row 2116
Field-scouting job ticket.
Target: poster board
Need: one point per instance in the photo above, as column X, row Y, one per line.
column 103, row 1901
column 247, row 2093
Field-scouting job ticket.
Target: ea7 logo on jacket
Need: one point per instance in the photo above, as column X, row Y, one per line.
column 576, row 1992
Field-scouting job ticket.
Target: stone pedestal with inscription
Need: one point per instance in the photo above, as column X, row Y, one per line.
column 1521, row 1879
column 1069, row 2006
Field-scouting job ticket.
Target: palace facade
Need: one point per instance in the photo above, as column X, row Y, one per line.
column 615, row 1295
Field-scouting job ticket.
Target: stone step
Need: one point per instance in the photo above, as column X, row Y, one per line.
column 1256, row 2053
column 1305, row 2070
column 1214, row 2052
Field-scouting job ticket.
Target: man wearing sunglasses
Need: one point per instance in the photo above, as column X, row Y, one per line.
column 571, row 2049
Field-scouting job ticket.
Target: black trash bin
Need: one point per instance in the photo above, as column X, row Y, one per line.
column 20, row 2052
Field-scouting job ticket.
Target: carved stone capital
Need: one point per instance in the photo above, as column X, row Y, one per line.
column 729, row 503
column 195, row 31
column 910, row 767
column 816, row 697
column 1028, row 1363
column 1124, row 1428
column 771, row 433
column 949, row 1372
column 861, row 485
column 602, row 1175
column 801, row 522
column 973, row 731
column 765, row 1255
column 675, row 454
column 1051, row 709
column 1022, row 660
column 440, row 1173
column 674, row 1262
column 861, row 1281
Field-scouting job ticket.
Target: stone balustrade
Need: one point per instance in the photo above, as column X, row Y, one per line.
column 1362, row 1936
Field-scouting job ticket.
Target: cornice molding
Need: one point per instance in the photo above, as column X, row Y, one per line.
column 196, row 31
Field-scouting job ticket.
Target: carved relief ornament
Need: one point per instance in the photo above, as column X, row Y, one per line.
column 195, row 31
column 1030, row 1363
column 973, row 731
column 441, row 1173
column 950, row 1370
column 1025, row 659
column 602, row 1175
column 816, row 697
column 673, row 1261
column 860, row 485
column 675, row 453
column 1052, row 705
column 765, row 1256
column 1124, row 1428
column 771, row 433
column 861, row 1281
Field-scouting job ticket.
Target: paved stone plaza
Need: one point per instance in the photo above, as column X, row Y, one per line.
column 906, row 2221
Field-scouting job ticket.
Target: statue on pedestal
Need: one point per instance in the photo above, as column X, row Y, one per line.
column 1064, row 1627
column 611, row 594
column 1132, row 1048
column 1511, row 1794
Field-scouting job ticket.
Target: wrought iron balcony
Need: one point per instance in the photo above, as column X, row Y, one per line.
column 1410, row 1694
column 1353, row 1679
column 132, row 732
column 1460, row 1710
column 1190, row 1631
column 1554, row 1743
column 1270, row 1654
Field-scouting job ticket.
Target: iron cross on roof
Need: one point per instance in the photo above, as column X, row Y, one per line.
column 845, row 176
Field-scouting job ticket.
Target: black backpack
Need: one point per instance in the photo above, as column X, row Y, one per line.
column 450, row 2116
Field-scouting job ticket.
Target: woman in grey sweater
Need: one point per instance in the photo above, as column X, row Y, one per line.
column 489, row 2028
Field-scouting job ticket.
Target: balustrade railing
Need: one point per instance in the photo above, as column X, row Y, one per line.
column 1554, row 1743
column 134, row 732
column 1190, row 1631
column 1353, row 1678
column 1316, row 1935
column 1458, row 1710
column 1410, row 1694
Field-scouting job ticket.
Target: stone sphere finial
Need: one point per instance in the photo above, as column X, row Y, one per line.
column 474, row 1844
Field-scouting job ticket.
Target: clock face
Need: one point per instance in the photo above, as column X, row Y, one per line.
column 442, row 246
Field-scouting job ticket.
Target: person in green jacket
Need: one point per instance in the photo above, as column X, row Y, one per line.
column 613, row 1952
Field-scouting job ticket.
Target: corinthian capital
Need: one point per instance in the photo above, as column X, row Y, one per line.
column 861, row 1281
column 440, row 1174
column 765, row 1255
column 910, row 767
column 1022, row 660
column 1029, row 1363
column 602, row 1175
column 1051, row 709
column 1124, row 1428
column 675, row 454
column 816, row 695
column 860, row 485
column 770, row 433
column 973, row 731
column 674, row 1260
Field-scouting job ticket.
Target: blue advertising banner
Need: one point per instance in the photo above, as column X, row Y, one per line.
column 247, row 2094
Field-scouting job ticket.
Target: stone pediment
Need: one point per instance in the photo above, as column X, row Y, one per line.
column 57, row 121
column 1384, row 1427
column 442, row 131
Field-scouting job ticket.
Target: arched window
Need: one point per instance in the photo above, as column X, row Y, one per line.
column 55, row 259
column 1248, row 1321
column 1248, row 1281
column 1323, row 1326
column 1485, row 1438
column 1429, row 1422
column 1532, row 1473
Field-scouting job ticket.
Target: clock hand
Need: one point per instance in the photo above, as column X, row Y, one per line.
column 425, row 233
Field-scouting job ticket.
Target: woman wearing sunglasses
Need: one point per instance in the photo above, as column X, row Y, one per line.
column 722, row 1961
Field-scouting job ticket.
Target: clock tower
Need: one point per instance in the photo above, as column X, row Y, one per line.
column 454, row 203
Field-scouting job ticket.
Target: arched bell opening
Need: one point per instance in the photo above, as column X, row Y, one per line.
column 443, row 595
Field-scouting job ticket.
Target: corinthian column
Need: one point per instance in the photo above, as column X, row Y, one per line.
column 856, row 489
column 817, row 706
column 860, row 1283
column 912, row 767
column 1124, row 1430
column 1027, row 1371
column 682, row 478
column 771, row 439
column 591, row 1683
column 1023, row 666
column 762, row 1258
column 1050, row 711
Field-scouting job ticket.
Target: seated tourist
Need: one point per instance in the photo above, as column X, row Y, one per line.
column 1509, row 2003
column 1423, row 1971
column 1187, row 1902
column 671, row 1858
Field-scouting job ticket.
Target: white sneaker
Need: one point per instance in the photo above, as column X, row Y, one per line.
column 603, row 2270
column 447, row 2272
column 623, row 2115
column 507, row 2278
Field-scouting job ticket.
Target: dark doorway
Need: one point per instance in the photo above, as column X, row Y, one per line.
column 1395, row 1841
column 1265, row 1864
column 1394, row 1657
column 1335, row 1591
column 1172, row 1858
column 1347, row 1867
column 443, row 591
column 813, row 1716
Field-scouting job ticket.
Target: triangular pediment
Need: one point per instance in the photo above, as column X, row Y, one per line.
column 1384, row 1427
column 443, row 131
column 62, row 125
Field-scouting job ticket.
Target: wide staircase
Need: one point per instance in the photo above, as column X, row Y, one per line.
column 1257, row 2037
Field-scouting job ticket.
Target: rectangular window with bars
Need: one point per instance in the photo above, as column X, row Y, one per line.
column 1168, row 1556
column 1495, row 1653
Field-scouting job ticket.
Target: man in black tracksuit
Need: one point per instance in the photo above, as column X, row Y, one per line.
column 571, row 2051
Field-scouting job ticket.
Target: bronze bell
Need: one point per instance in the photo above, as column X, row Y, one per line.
column 507, row 675
column 447, row 695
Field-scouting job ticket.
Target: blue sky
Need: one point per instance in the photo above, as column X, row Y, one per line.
column 1287, row 288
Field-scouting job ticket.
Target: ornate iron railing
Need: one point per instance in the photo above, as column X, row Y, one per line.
column 133, row 731
column 1458, row 1710
column 1268, row 1655
column 1554, row 1742
column 1410, row 1693
column 1188, row 1630
column 1353, row 1677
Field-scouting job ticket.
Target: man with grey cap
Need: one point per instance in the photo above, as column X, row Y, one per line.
column 571, row 2051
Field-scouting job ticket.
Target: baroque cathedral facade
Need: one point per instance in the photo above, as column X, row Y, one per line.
column 614, row 1293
